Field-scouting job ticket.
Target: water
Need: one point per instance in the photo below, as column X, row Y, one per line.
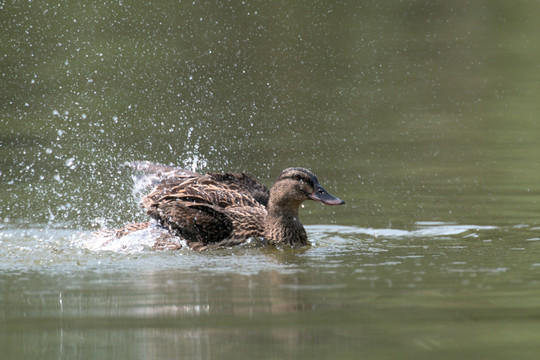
column 440, row 290
column 422, row 116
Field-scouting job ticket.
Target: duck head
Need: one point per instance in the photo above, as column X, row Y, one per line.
column 295, row 185
column 292, row 187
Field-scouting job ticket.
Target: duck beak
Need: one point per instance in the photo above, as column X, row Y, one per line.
column 323, row 196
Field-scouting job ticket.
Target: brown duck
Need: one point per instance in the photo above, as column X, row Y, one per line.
column 227, row 209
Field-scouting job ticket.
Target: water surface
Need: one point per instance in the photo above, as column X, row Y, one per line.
column 440, row 290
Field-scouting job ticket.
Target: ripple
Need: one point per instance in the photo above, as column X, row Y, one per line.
column 426, row 229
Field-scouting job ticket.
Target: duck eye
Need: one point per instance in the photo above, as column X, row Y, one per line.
column 297, row 177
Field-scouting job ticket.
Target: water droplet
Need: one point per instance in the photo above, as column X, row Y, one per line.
column 69, row 163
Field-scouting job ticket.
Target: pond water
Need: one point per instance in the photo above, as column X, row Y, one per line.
column 422, row 116
column 440, row 290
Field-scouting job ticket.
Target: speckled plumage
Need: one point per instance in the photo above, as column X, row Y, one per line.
column 227, row 209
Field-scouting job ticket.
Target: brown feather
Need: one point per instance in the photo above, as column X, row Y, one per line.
column 192, row 221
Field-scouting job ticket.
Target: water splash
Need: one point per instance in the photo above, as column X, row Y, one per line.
column 134, row 242
column 194, row 159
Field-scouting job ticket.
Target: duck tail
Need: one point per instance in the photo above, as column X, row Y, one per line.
column 148, row 167
column 151, row 174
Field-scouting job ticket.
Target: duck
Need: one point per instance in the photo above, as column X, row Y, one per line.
column 226, row 209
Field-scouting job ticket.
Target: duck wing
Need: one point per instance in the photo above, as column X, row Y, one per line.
column 194, row 222
column 200, row 190
column 159, row 173
column 246, row 183
column 199, row 208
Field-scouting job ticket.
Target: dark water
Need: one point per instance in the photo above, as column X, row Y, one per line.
column 422, row 116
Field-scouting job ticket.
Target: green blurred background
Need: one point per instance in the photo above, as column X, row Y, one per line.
column 410, row 111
